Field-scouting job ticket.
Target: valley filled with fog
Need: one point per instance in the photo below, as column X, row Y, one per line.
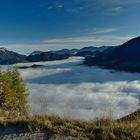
column 69, row 89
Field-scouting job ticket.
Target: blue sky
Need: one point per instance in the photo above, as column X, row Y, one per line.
column 54, row 24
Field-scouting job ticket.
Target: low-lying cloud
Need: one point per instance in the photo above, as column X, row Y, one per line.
column 69, row 89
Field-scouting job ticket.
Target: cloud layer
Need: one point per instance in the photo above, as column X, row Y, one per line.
column 69, row 89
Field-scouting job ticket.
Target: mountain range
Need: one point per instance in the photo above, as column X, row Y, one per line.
column 124, row 57
column 9, row 57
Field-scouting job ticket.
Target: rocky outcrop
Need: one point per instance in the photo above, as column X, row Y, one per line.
column 35, row 136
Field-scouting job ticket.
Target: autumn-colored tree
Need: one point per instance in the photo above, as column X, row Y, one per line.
column 18, row 86
column 13, row 93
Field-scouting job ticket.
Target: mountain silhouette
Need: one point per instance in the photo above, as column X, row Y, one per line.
column 124, row 57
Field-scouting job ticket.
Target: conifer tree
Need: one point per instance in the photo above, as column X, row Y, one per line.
column 18, row 86
column 13, row 93
column 7, row 96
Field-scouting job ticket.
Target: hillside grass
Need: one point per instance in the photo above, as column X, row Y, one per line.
column 112, row 130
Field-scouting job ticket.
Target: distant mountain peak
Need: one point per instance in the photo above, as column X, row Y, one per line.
column 3, row 49
column 132, row 42
column 36, row 52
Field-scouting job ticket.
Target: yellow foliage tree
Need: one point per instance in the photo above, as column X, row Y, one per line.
column 13, row 93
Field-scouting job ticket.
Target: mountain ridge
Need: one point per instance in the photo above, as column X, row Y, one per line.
column 9, row 57
column 124, row 57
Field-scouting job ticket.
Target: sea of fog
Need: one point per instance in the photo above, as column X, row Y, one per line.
column 69, row 89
